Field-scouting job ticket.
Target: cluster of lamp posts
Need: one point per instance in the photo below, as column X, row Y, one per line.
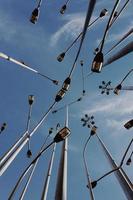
column 63, row 133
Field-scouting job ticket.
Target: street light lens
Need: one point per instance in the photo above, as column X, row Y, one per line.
column 97, row 63
column 35, row 15
column 31, row 99
column 62, row 11
column 81, row 62
column 66, row 84
column 62, row 134
column 117, row 89
column 29, row 153
column 128, row 161
column 129, row 124
column 60, row 58
column 103, row 13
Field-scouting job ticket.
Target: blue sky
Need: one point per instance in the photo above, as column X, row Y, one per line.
column 39, row 45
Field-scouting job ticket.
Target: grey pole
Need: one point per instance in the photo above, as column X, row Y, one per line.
column 120, row 174
column 47, row 180
column 61, row 186
column 8, row 158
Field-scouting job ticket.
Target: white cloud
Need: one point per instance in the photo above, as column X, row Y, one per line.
column 71, row 29
column 117, row 36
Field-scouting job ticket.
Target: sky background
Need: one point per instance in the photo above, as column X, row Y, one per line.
column 38, row 46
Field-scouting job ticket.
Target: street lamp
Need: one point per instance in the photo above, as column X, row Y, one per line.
column 60, row 136
column 97, row 63
column 64, row 7
column 64, row 89
column 61, row 56
column 129, row 159
column 119, row 86
column 2, row 128
column 129, row 124
column 119, row 172
column 89, row 122
column 25, row 66
column 35, row 14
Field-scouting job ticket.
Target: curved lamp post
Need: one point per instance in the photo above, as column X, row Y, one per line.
column 119, row 172
column 89, row 122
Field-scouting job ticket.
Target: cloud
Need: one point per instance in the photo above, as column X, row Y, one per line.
column 71, row 29
column 117, row 105
column 117, row 36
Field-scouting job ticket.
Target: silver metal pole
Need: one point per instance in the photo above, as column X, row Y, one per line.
column 122, row 179
column 31, row 173
column 8, row 158
column 61, row 186
column 87, row 172
column 47, row 180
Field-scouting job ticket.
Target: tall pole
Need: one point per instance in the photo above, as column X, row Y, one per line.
column 47, row 180
column 121, row 176
column 61, row 186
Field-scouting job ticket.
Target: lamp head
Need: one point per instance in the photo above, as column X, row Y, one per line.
column 117, row 89
column 60, row 58
column 93, row 130
column 129, row 124
column 128, row 161
column 63, row 9
column 29, row 153
column 31, row 99
column 103, row 13
column 3, row 127
column 35, row 15
column 97, row 63
column 62, row 134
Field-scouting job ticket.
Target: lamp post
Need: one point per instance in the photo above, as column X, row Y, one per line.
column 89, row 122
column 25, row 66
column 32, row 170
column 61, row 185
column 121, row 176
column 90, row 9
column 61, row 56
column 106, row 88
column 97, row 63
column 49, row 171
column 60, row 136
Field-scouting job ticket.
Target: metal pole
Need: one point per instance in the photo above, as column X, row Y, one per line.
column 31, row 173
column 47, row 180
column 61, row 186
column 8, row 158
column 86, row 170
column 121, row 177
